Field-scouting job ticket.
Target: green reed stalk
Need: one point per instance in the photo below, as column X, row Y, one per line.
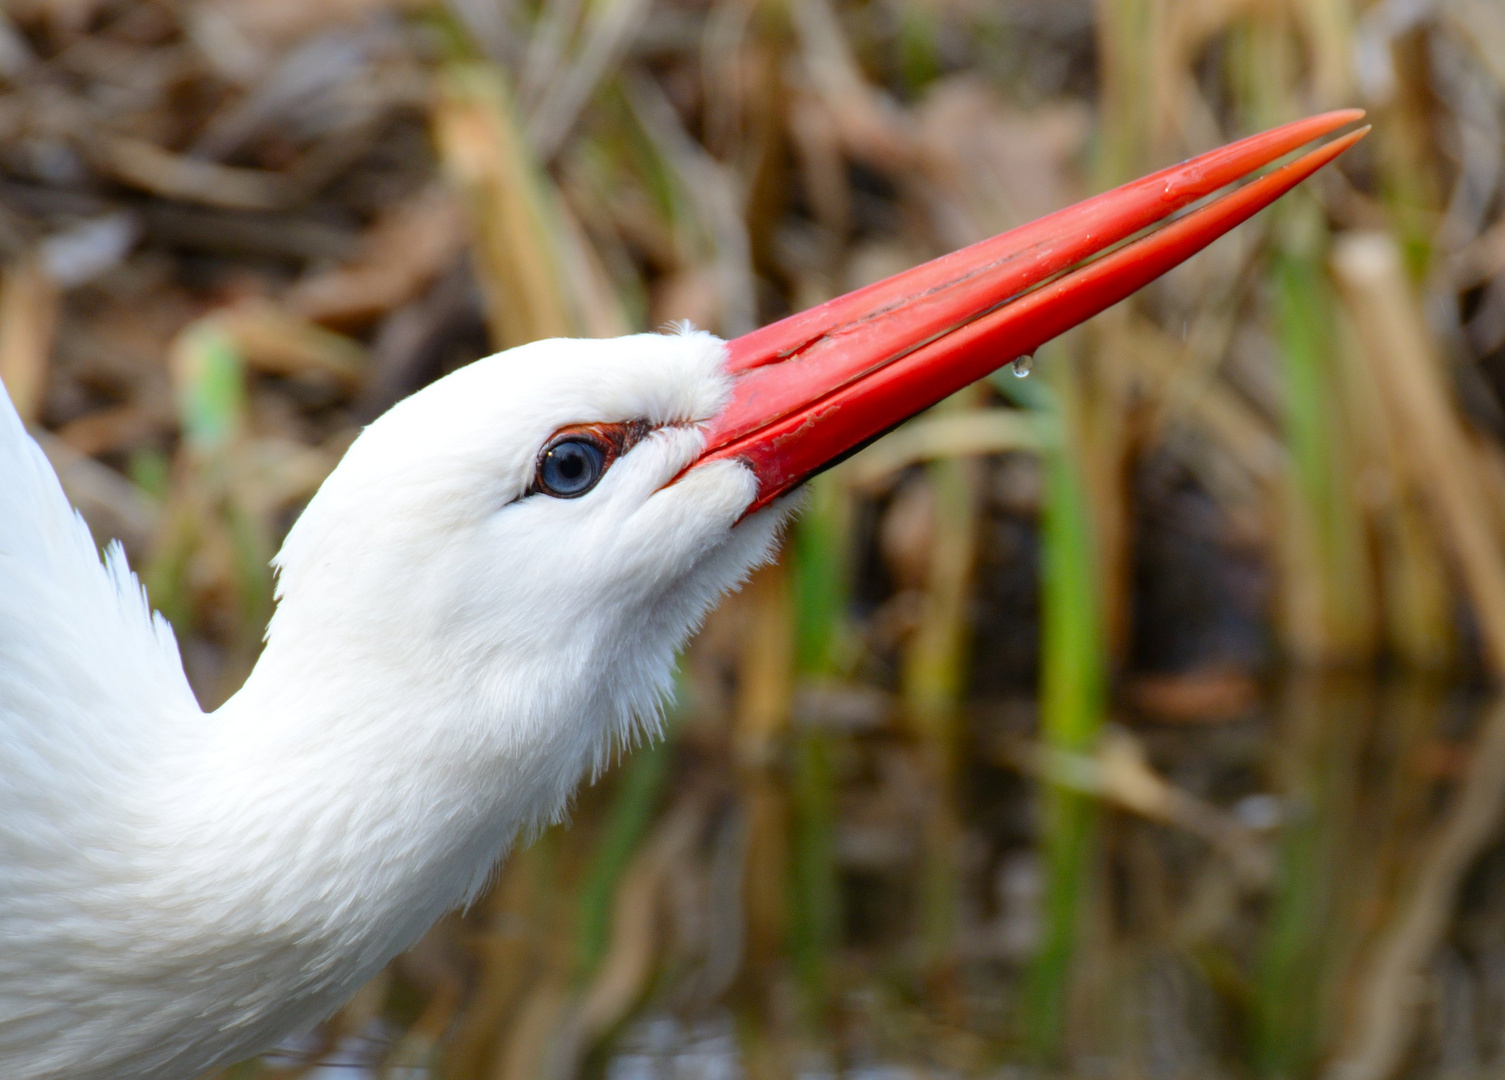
column 1341, row 619
column 1311, row 929
column 210, row 395
column 628, row 820
column 1073, row 694
column 819, row 586
column 934, row 683
column 1328, row 594
column 207, row 514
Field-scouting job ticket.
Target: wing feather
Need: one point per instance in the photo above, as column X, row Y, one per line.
column 90, row 680
column 83, row 659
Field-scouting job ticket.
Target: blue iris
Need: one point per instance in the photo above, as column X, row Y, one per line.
column 570, row 468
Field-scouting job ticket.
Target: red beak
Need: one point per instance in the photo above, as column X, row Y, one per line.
column 817, row 386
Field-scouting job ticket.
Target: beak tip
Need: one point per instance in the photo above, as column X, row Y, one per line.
column 814, row 386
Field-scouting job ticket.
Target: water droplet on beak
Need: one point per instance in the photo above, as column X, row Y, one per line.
column 1023, row 365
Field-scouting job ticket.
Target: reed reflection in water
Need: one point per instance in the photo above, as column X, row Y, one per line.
column 1314, row 886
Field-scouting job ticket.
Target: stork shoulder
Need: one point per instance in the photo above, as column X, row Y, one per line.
column 88, row 675
column 79, row 645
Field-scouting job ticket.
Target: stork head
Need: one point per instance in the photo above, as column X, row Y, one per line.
column 541, row 530
column 533, row 528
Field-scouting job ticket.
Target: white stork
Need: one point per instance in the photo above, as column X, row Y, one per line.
column 484, row 597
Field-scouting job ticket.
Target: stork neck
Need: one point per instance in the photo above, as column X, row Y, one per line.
column 380, row 776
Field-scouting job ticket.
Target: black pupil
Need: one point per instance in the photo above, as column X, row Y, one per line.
column 571, row 467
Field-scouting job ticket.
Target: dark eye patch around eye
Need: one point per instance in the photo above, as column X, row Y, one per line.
column 575, row 458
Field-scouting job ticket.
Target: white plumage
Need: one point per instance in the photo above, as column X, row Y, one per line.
column 448, row 657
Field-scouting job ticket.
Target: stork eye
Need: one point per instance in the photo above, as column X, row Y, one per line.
column 571, row 466
column 575, row 458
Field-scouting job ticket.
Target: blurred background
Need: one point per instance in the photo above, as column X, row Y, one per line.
column 1131, row 718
